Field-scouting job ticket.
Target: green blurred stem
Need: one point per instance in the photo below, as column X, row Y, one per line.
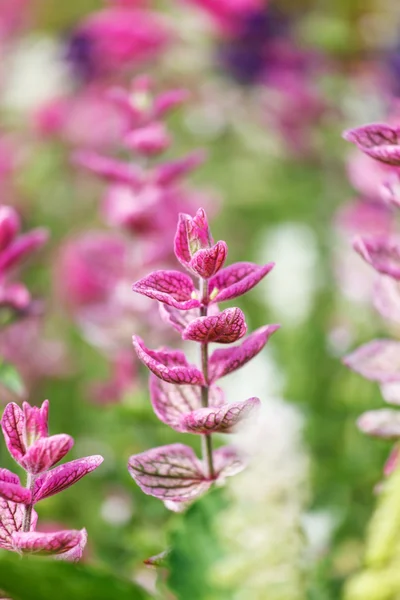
column 30, row 484
column 206, row 441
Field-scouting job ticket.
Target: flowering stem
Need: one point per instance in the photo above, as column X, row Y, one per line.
column 206, row 441
column 30, row 484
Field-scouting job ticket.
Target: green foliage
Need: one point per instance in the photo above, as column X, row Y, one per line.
column 44, row 579
column 11, row 379
column 196, row 549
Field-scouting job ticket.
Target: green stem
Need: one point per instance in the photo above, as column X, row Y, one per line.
column 206, row 440
column 30, row 484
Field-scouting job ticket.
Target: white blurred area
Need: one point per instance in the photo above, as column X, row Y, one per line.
column 290, row 289
column 35, row 74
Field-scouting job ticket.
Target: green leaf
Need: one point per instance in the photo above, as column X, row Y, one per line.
column 196, row 549
column 11, row 379
column 33, row 578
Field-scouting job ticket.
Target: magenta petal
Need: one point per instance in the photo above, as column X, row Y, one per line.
column 170, row 287
column 225, row 361
column 236, row 280
column 392, row 461
column 36, row 421
column 12, row 424
column 382, row 254
column 378, row 141
column 46, row 543
column 209, row 261
column 378, row 360
column 227, row 462
column 9, row 225
column 219, row 420
column 14, row 492
column 225, row 328
column 64, row 476
column 169, row 365
column 383, row 423
column 172, row 402
column 170, row 172
column 46, row 452
column 110, row 169
column 148, row 140
column 169, row 472
column 22, row 248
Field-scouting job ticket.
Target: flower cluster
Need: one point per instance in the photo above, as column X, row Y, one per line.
column 143, row 197
column 14, row 249
column 137, row 189
column 379, row 360
column 184, row 396
column 26, row 435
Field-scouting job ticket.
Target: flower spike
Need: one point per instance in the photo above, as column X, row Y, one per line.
column 26, row 434
column 183, row 396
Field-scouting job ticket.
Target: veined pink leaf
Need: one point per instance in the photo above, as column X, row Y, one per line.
column 31, row 542
column 224, row 328
column 11, row 520
column 169, row 473
column 378, row 140
column 180, row 319
column 11, row 489
column 35, row 421
column 169, row 365
column 170, row 287
column 64, row 476
column 236, row 280
column 227, row 462
column 76, row 552
column 172, row 402
column 225, row 361
column 192, row 234
column 12, row 424
column 223, row 419
column 9, row 477
column 14, row 492
column 382, row 254
column 46, row 452
column 378, row 360
column 207, row 262
column 383, row 423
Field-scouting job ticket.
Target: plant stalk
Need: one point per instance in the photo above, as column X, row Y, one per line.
column 30, row 484
column 206, row 440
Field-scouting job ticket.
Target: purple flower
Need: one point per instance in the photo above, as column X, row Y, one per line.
column 26, row 434
column 183, row 396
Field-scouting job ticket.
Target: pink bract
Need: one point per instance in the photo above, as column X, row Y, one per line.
column 381, row 253
column 378, row 360
column 379, row 141
column 224, row 328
